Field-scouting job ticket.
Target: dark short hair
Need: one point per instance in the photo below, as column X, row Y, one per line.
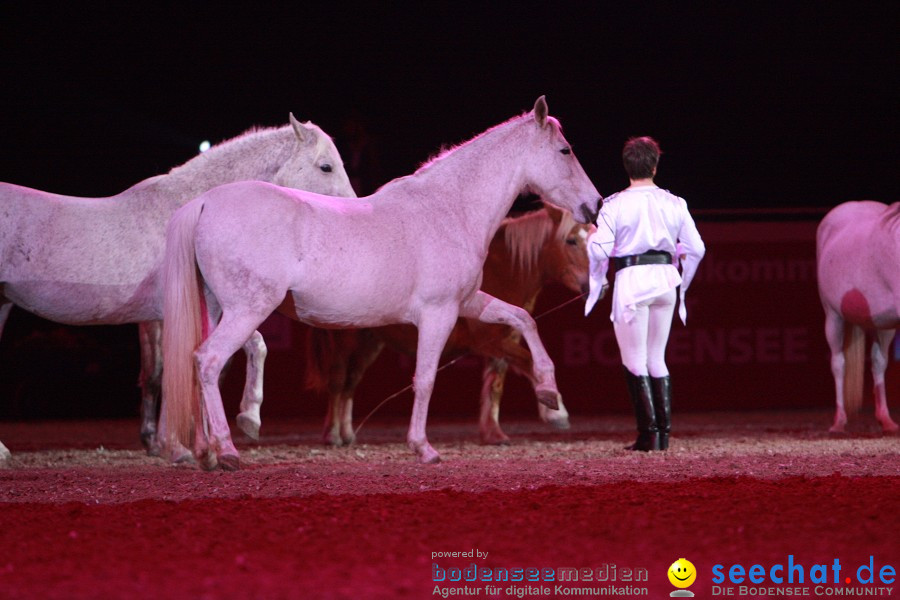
column 640, row 156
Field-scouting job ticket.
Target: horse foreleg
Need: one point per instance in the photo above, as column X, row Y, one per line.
column 492, row 380
column 557, row 418
column 880, row 349
column 249, row 420
column 488, row 309
column 520, row 361
column 834, row 335
column 150, row 335
column 434, row 326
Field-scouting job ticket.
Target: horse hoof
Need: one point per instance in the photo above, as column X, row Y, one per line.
column 430, row 460
column 497, row 442
column 561, row 424
column 179, row 455
column 4, row 454
column 348, row 439
column 549, row 397
column 230, row 462
column 496, row 438
column 150, row 443
column 249, row 426
column 209, row 462
column 426, row 454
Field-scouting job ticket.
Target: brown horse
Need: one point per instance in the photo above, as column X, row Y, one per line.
column 526, row 254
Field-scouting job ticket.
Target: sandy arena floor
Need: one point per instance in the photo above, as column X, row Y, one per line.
column 87, row 514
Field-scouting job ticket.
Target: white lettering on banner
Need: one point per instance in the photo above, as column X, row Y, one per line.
column 758, row 270
column 742, row 345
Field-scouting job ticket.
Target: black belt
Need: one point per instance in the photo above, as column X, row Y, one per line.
column 650, row 257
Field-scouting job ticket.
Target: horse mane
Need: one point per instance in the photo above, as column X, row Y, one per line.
column 256, row 136
column 526, row 235
column 445, row 150
column 891, row 218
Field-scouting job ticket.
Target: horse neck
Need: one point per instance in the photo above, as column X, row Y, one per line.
column 477, row 182
column 257, row 155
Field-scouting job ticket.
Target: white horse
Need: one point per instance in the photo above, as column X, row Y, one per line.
column 410, row 253
column 526, row 254
column 89, row 261
column 858, row 267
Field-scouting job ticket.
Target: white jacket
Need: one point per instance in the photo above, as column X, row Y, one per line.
column 634, row 221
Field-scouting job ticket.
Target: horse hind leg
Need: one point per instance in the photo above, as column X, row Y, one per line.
column 834, row 335
column 249, row 419
column 227, row 338
column 880, row 349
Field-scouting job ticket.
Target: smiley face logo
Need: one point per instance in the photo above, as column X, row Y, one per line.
column 682, row 573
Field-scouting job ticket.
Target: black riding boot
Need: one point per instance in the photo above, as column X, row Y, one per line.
column 662, row 406
column 642, row 399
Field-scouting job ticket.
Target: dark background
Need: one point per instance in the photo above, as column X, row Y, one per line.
column 761, row 105
column 768, row 104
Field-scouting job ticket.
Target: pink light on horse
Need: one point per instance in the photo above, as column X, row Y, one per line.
column 412, row 252
column 858, row 267
column 92, row 261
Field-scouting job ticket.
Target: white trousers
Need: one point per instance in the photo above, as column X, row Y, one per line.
column 642, row 341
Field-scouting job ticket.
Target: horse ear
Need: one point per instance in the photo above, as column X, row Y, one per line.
column 304, row 134
column 540, row 111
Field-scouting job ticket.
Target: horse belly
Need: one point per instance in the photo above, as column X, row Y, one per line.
column 333, row 295
column 338, row 310
column 85, row 304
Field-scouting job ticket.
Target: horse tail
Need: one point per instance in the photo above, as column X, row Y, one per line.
column 320, row 348
column 182, row 324
column 854, row 363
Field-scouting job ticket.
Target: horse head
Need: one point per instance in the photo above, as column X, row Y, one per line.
column 566, row 258
column 553, row 172
column 314, row 163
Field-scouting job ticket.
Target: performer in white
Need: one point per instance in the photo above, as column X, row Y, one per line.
column 646, row 231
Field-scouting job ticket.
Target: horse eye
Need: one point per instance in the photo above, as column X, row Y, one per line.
column 566, row 151
column 326, row 168
column 572, row 241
